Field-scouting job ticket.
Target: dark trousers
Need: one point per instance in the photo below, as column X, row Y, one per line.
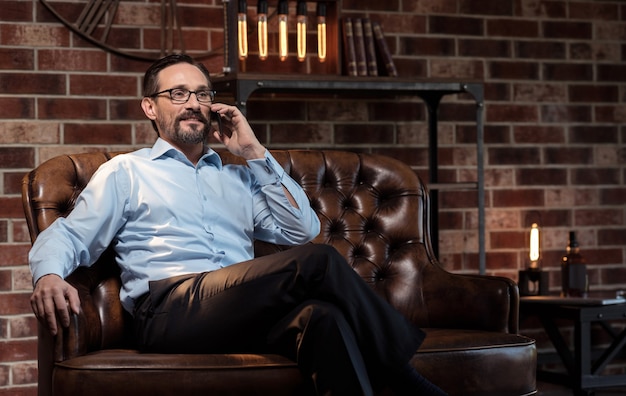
column 306, row 303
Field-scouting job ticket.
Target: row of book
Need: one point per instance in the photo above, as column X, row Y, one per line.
column 365, row 50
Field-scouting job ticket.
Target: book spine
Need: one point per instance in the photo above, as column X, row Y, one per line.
column 348, row 45
column 370, row 49
column 359, row 47
column 383, row 50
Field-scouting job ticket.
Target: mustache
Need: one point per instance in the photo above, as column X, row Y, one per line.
column 193, row 115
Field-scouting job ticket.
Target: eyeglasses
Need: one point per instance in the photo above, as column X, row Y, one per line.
column 182, row 95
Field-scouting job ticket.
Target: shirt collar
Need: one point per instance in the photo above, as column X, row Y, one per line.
column 161, row 148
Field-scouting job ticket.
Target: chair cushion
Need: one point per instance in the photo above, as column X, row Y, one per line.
column 486, row 359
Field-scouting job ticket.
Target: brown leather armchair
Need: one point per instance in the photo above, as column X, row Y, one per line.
column 375, row 211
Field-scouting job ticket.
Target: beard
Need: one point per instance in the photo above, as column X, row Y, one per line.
column 191, row 134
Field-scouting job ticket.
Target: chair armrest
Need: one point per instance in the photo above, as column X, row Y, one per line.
column 101, row 322
column 479, row 302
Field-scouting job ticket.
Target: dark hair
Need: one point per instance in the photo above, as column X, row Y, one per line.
column 151, row 78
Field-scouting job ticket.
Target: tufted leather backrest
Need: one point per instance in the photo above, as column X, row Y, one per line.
column 373, row 209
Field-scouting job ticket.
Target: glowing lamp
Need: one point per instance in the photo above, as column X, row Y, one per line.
column 283, row 46
column 321, row 31
column 262, row 28
column 242, row 29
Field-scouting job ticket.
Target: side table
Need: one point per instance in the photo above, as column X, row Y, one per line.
column 583, row 375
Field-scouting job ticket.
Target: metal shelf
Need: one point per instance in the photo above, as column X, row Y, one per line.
column 243, row 85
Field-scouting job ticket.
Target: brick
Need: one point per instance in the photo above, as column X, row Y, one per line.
column 29, row 132
column 33, row 83
column 497, row 134
column 126, row 109
column 395, row 23
column 72, row 60
column 17, row 11
column 604, row 11
column 363, row 134
column 546, row 218
column 98, row 134
column 590, row 217
column 611, row 73
column 408, row 155
column 507, row 240
column 4, row 231
column 596, row 176
column 411, row 68
column 383, row 110
column 540, row 92
column 17, row 59
column 484, row 48
column 424, row 46
column 513, row 70
column 13, row 254
column 292, row 111
column 497, row 91
column 429, row 6
column 522, row 198
column 20, row 108
column 23, row 326
column 568, row 155
column 302, row 133
column 103, row 85
column 567, row 72
column 5, row 375
column 607, row 237
column 457, row 69
column 13, row 182
column 320, row 111
column 615, row 114
column 512, row 113
column 499, row 177
column 559, row 113
column 567, row 30
column 613, row 196
column 457, row 199
column 487, row 7
column 593, row 134
column 540, row 50
column 74, row 109
column 34, row 35
column 541, row 177
column 461, row 26
column 20, row 231
column 17, row 157
column 593, row 93
column 451, row 220
column 512, row 28
column 18, row 350
column 538, row 134
column 5, row 280
column 532, row 8
column 596, row 51
column 24, row 373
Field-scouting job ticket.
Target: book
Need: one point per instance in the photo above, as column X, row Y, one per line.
column 383, row 50
column 359, row 46
column 348, row 48
column 370, row 49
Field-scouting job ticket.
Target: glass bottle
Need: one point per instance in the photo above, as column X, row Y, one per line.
column 574, row 279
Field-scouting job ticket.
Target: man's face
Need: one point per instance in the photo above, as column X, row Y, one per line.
column 187, row 123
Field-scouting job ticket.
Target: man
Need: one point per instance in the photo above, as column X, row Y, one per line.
column 182, row 226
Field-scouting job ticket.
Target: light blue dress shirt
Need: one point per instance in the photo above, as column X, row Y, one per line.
column 167, row 217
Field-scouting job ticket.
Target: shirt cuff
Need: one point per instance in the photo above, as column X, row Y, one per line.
column 266, row 170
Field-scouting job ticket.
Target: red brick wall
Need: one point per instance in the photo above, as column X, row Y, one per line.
column 554, row 77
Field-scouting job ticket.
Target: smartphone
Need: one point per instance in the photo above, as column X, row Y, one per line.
column 216, row 119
